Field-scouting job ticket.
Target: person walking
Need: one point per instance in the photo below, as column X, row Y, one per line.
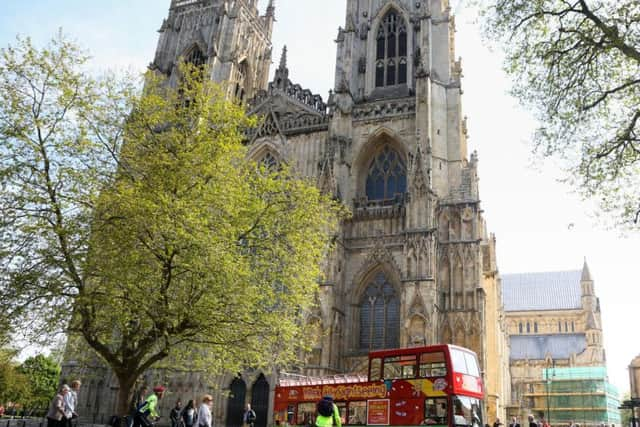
column 176, row 419
column 249, row 416
column 189, row 414
column 71, row 402
column 204, row 412
column 328, row 413
column 497, row 423
column 532, row 421
column 514, row 422
column 56, row 413
column 147, row 413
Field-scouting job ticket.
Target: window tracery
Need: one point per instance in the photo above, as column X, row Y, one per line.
column 269, row 163
column 379, row 315
column 391, row 51
column 387, row 175
column 195, row 57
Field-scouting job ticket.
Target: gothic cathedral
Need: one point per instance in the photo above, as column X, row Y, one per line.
column 414, row 265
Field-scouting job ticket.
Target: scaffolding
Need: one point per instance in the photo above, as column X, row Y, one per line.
column 582, row 395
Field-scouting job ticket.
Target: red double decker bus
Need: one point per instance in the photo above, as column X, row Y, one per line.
column 438, row 385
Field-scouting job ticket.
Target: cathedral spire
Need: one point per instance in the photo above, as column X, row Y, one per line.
column 283, row 59
column 586, row 274
column 271, row 8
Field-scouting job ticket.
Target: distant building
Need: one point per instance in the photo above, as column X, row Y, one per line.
column 557, row 359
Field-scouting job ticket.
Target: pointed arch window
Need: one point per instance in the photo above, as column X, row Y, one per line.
column 269, row 163
column 379, row 315
column 241, row 81
column 195, row 57
column 387, row 175
column 391, row 51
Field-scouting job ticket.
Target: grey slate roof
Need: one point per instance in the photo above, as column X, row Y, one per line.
column 559, row 290
column 536, row 347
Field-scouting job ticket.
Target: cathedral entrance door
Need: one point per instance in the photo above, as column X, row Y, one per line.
column 260, row 400
column 235, row 404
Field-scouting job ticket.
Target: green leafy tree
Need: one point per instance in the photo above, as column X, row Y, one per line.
column 14, row 386
column 42, row 374
column 135, row 222
column 576, row 64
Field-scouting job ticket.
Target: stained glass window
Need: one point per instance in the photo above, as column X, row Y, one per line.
column 387, row 175
column 391, row 51
column 379, row 315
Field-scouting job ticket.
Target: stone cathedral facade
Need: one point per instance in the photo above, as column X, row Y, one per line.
column 414, row 265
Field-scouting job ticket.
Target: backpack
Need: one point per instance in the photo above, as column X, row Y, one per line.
column 325, row 408
column 251, row 417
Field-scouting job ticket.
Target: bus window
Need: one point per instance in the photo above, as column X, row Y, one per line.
column 357, row 413
column 376, row 367
column 435, row 411
column 458, row 361
column 306, row 414
column 432, row 365
column 472, row 364
column 466, row 412
column 342, row 408
column 397, row 367
column 290, row 412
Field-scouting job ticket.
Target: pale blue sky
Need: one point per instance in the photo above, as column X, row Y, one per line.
column 539, row 225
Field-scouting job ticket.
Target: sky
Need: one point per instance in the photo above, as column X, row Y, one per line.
column 540, row 225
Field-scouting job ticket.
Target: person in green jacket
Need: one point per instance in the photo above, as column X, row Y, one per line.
column 328, row 413
column 147, row 413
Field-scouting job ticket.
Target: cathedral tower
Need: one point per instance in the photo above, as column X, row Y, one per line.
column 230, row 36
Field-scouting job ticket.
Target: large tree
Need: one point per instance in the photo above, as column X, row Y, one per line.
column 133, row 220
column 42, row 374
column 576, row 64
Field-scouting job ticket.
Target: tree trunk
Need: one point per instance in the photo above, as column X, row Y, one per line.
column 126, row 382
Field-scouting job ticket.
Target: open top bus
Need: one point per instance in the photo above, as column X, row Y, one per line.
column 439, row 385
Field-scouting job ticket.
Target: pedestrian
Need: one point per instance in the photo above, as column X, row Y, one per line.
column 147, row 413
column 572, row 424
column 544, row 423
column 328, row 413
column 189, row 414
column 176, row 420
column 71, row 402
column 56, row 414
column 249, row 416
column 514, row 422
column 532, row 421
column 204, row 412
column 137, row 400
column 497, row 423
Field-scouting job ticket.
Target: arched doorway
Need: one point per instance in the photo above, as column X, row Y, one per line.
column 235, row 404
column 260, row 401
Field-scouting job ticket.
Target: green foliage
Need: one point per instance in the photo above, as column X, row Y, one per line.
column 14, row 386
column 140, row 214
column 42, row 374
column 575, row 64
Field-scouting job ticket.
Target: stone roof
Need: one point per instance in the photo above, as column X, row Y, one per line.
column 536, row 347
column 560, row 290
